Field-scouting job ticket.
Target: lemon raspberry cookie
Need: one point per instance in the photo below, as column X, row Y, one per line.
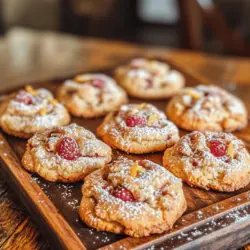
column 138, row 129
column 29, row 111
column 149, row 79
column 210, row 160
column 137, row 198
column 65, row 154
column 91, row 95
column 207, row 108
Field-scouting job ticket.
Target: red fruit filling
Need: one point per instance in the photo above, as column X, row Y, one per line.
column 227, row 159
column 68, row 148
column 218, row 148
column 24, row 97
column 195, row 163
column 105, row 186
column 169, row 137
column 123, row 194
column 149, row 82
column 98, row 83
column 135, row 120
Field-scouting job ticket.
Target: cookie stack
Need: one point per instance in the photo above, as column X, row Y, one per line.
column 120, row 195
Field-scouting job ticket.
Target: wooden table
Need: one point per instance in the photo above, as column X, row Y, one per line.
column 27, row 56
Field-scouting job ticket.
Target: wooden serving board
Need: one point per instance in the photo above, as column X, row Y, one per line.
column 213, row 220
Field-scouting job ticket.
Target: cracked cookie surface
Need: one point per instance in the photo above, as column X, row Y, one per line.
column 137, row 198
column 149, row 79
column 91, row 95
column 210, row 160
column 31, row 110
column 138, row 129
column 65, row 154
column 207, row 108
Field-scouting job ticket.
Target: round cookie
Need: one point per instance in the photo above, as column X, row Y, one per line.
column 207, row 108
column 137, row 198
column 210, row 160
column 91, row 95
column 138, row 129
column 29, row 111
column 149, row 79
column 65, row 154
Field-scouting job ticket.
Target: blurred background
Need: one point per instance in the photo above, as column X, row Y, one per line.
column 205, row 25
column 47, row 39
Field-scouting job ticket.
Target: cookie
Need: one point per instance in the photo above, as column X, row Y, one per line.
column 91, row 95
column 149, row 79
column 29, row 111
column 210, row 160
column 207, row 108
column 138, row 129
column 137, row 198
column 65, row 154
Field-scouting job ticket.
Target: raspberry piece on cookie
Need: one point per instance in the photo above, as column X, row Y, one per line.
column 98, row 83
column 65, row 154
column 218, row 148
column 24, row 97
column 210, row 160
column 123, row 194
column 135, row 120
column 91, row 95
column 149, row 79
column 138, row 129
column 68, row 148
column 115, row 200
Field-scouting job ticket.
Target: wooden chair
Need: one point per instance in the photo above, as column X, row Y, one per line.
column 1, row 18
column 194, row 17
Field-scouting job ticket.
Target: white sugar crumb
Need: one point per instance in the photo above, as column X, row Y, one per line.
column 187, row 99
column 237, row 199
column 123, row 247
column 248, row 195
column 196, row 233
column 199, row 214
column 151, row 248
column 183, row 234
column 66, row 194
column 235, row 216
column 216, row 207
column 91, row 231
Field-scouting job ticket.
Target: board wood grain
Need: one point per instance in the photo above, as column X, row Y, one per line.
column 210, row 215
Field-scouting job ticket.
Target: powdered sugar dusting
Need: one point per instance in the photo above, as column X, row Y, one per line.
column 95, row 92
column 155, row 128
column 90, row 153
column 195, row 154
column 150, row 186
column 210, row 103
column 151, row 74
column 43, row 112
